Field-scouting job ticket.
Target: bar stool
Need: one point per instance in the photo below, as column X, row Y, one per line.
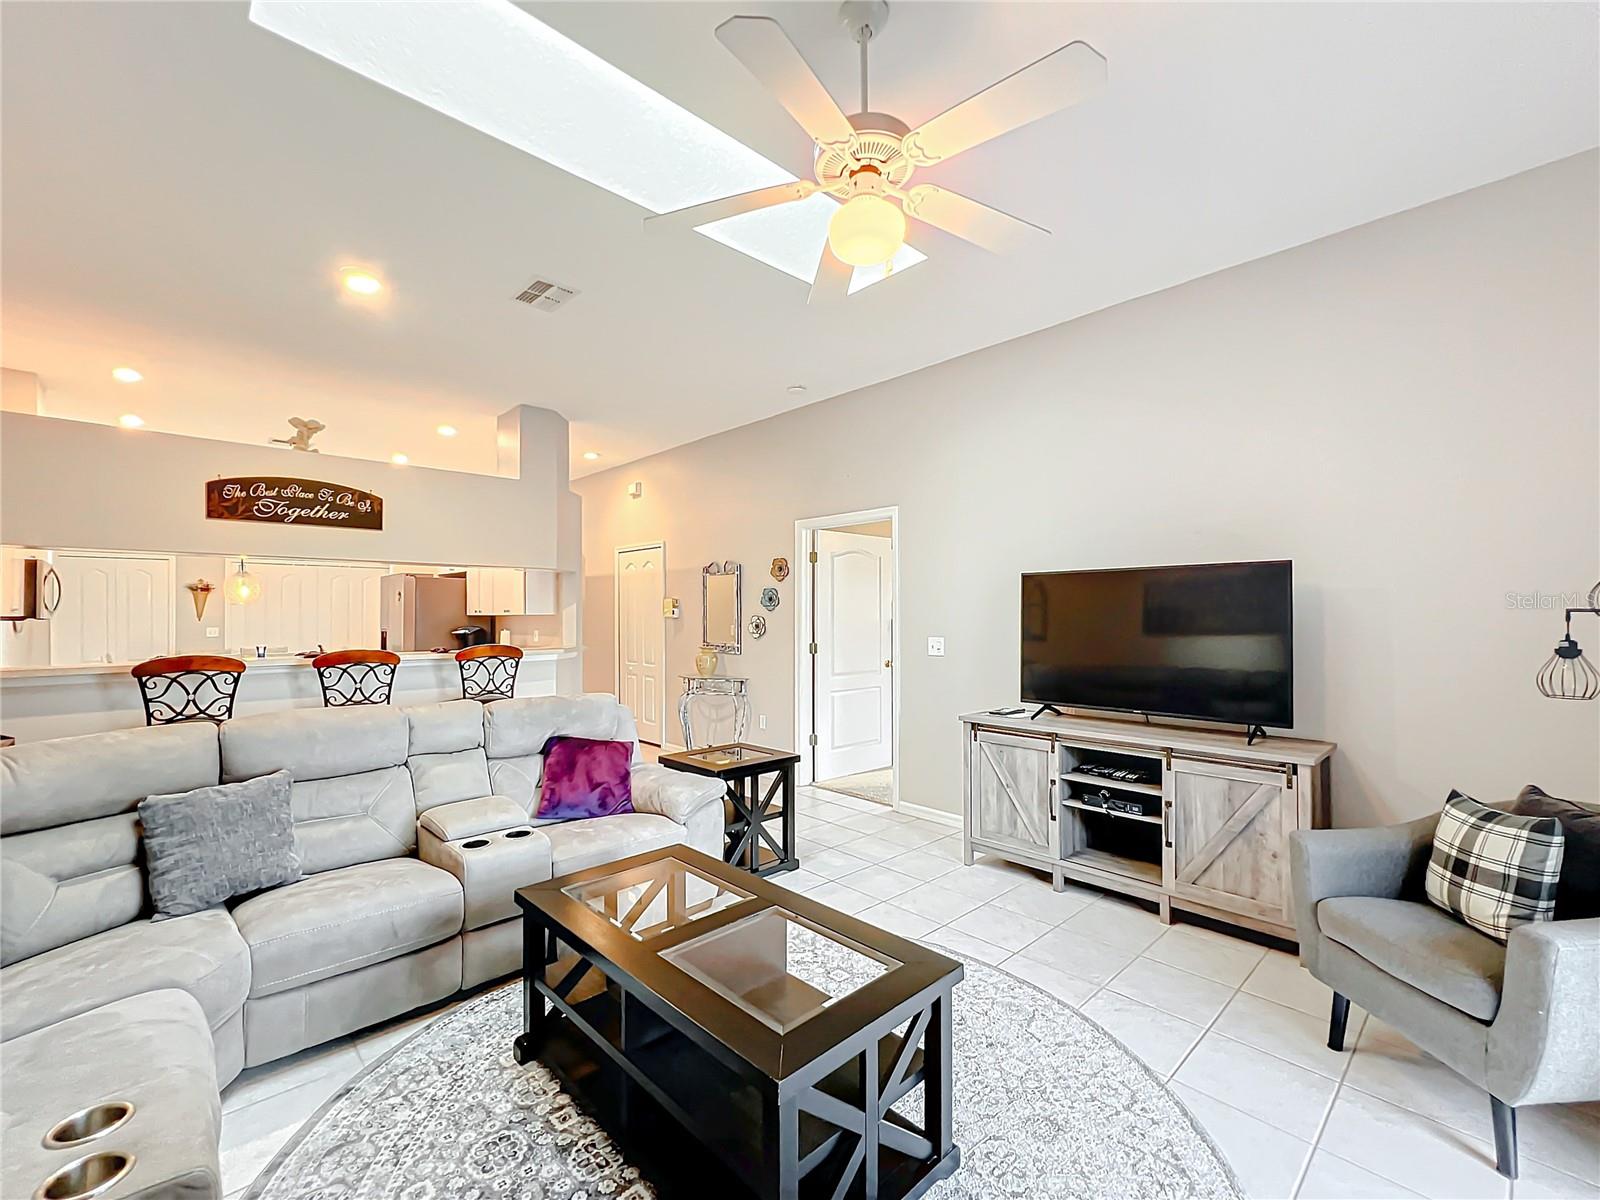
column 190, row 687
column 488, row 672
column 356, row 676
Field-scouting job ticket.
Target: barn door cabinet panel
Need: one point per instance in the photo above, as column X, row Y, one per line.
column 1228, row 828
column 1193, row 820
column 1011, row 792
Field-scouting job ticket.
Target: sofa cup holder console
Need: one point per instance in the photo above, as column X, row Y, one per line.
column 88, row 1124
column 488, row 839
column 92, row 1175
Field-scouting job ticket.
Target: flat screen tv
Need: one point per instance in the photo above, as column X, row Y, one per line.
column 1213, row 642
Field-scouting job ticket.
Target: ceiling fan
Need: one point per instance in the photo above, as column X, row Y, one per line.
column 867, row 159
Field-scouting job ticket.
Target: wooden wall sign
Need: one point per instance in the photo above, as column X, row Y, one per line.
column 292, row 502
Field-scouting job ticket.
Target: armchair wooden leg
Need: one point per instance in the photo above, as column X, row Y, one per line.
column 1505, row 1137
column 1336, row 1021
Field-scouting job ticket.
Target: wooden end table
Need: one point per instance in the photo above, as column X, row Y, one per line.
column 750, row 817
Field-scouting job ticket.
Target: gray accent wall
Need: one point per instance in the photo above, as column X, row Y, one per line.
column 1410, row 410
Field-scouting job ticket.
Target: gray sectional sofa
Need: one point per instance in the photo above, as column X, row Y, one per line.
column 414, row 828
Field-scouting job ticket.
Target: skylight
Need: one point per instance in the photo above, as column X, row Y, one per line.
column 493, row 66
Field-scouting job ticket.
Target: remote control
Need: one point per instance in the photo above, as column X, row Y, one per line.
column 1006, row 712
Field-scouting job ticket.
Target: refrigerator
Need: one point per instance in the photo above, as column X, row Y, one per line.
column 419, row 611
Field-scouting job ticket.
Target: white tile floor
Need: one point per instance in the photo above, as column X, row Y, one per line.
column 1239, row 1031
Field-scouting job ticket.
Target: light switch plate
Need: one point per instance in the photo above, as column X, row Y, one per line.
column 762, row 722
column 213, row 631
column 936, row 647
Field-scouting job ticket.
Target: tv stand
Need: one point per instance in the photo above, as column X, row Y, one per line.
column 1253, row 732
column 1046, row 708
column 1178, row 817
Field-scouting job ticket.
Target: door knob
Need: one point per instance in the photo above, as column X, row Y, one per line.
column 888, row 662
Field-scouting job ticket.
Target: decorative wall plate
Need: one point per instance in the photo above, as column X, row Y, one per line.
column 758, row 626
column 780, row 569
column 769, row 598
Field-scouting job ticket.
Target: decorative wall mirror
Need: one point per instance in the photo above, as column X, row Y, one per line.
column 720, row 610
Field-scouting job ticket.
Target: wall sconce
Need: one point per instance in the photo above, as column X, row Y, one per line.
column 635, row 490
column 200, row 592
column 1568, row 675
column 671, row 608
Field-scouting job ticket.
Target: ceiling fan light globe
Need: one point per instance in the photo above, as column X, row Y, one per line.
column 867, row 231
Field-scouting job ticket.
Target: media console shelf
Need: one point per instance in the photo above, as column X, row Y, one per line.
column 1199, row 820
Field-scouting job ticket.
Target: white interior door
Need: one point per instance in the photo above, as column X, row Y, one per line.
column 641, row 637
column 854, row 695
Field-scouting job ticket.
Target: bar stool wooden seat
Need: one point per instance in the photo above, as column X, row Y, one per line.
column 356, row 676
column 188, row 687
column 488, row 672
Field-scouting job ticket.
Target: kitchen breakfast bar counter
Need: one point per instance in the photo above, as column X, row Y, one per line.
column 60, row 701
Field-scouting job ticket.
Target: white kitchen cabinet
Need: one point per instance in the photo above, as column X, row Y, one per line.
column 306, row 605
column 113, row 609
column 510, row 592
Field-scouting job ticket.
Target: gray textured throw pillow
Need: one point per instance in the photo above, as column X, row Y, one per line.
column 205, row 846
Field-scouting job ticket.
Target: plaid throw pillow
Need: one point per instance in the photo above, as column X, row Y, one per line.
column 1492, row 869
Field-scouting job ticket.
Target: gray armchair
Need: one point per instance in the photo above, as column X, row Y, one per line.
column 1520, row 1020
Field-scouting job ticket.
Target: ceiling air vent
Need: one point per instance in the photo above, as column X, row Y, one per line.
column 543, row 294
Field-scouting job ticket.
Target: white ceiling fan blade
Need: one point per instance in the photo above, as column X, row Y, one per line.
column 731, row 206
column 977, row 223
column 1059, row 80
column 767, row 53
column 832, row 283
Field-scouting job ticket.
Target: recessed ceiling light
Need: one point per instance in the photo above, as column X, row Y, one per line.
column 399, row 460
column 796, row 388
column 125, row 375
column 362, row 283
column 624, row 137
column 591, row 455
column 446, row 431
column 130, row 421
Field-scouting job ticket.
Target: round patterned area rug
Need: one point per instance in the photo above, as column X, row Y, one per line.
column 1047, row 1104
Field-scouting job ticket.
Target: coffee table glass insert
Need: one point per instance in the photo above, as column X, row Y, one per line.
column 648, row 900
column 771, row 964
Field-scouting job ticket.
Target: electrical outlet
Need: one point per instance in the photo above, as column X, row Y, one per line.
column 761, row 722
column 936, row 647
column 213, row 631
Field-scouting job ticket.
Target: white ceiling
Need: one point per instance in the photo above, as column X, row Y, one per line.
column 180, row 188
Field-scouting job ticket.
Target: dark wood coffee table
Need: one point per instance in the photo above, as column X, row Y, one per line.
column 752, row 818
column 736, row 1038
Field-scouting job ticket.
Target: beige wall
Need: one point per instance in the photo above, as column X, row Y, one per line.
column 1407, row 409
column 881, row 529
column 75, row 483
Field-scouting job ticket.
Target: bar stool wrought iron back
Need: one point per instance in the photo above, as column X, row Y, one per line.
column 189, row 687
column 488, row 672
column 356, row 676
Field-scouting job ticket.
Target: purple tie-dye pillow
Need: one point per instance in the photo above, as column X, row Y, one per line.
column 585, row 778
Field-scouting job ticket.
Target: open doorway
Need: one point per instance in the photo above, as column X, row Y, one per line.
column 846, row 704
column 641, row 582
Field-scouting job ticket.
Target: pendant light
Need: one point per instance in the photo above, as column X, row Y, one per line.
column 1568, row 675
column 242, row 587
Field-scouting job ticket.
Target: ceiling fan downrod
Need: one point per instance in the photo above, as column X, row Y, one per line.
column 864, row 19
